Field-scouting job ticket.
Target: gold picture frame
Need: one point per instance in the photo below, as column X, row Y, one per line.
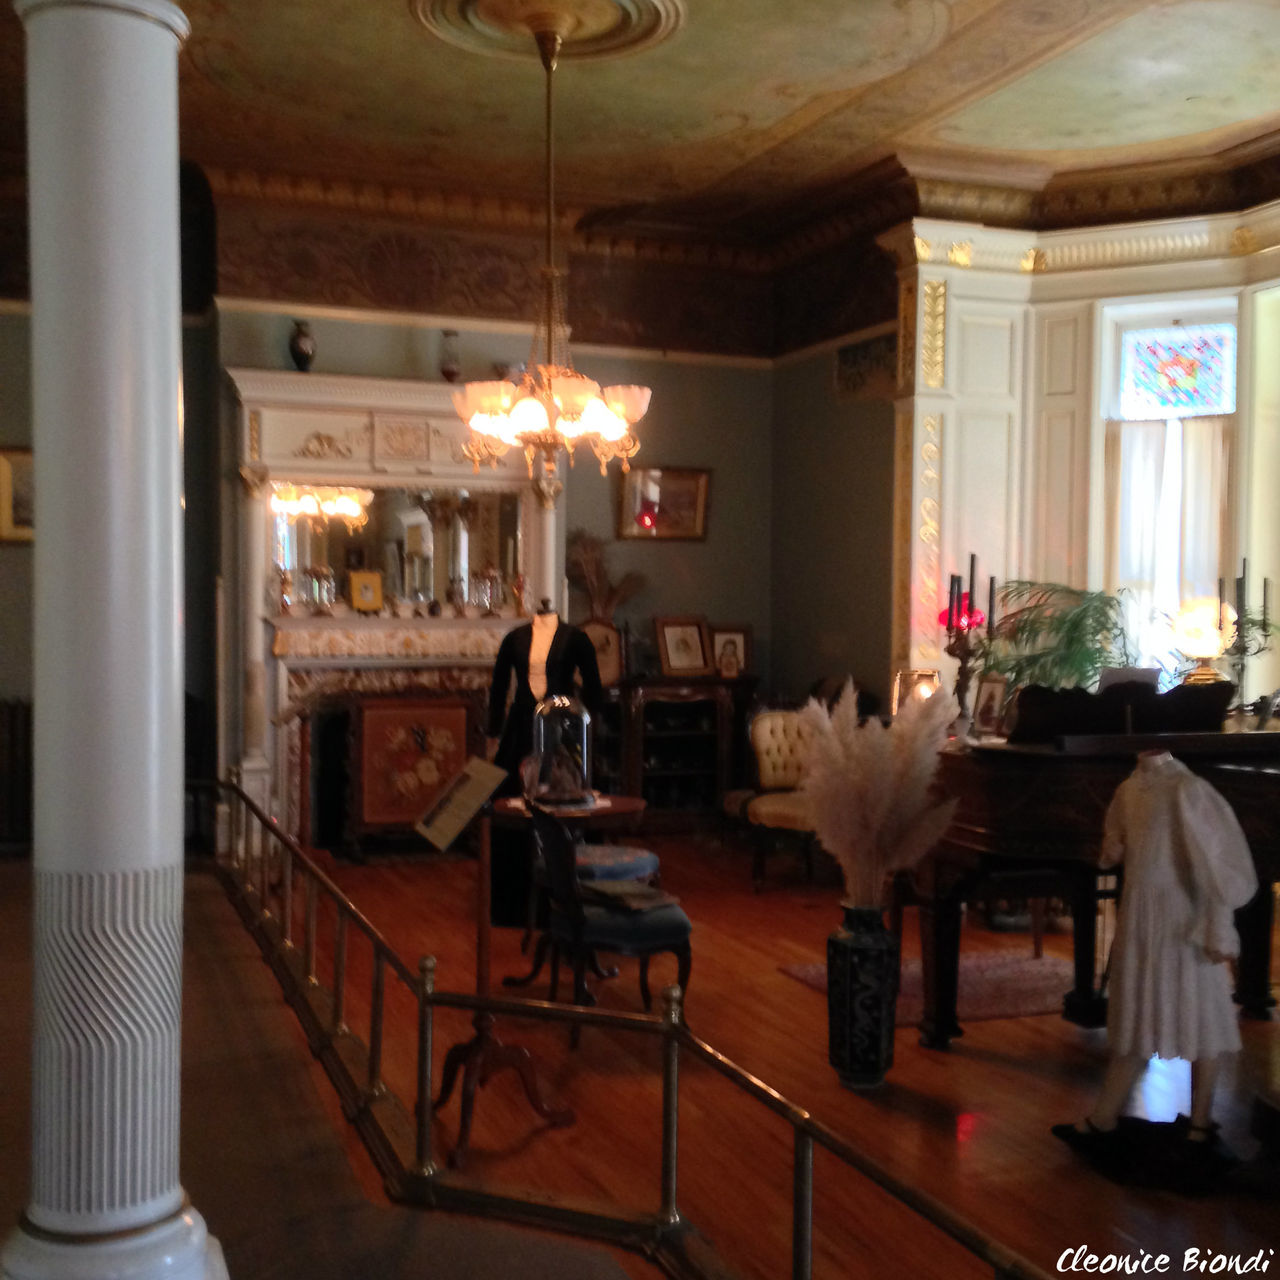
column 731, row 649
column 365, row 586
column 17, row 496
column 664, row 503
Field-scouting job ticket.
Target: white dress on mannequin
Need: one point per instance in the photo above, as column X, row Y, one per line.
column 1187, row 868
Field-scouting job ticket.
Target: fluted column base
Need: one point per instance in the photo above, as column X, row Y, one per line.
column 179, row 1248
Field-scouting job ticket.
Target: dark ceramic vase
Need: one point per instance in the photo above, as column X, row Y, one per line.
column 862, row 997
column 302, row 345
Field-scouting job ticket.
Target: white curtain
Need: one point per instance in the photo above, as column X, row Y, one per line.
column 1168, row 489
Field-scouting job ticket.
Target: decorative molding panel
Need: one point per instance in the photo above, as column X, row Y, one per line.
column 933, row 341
column 928, row 548
column 108, row 1001
column 986, row 347
column 329, row 639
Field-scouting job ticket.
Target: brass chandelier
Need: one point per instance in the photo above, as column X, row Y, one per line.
column 553, row 406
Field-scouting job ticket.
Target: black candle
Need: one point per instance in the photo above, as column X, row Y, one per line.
column 1243, row 603
column 1266, row 605
column 1222, row 626
column 991, row 609
column 973, row 584
column 952, row 584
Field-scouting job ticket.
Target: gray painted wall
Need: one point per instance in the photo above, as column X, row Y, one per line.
column 832, row 531
column 16, row 558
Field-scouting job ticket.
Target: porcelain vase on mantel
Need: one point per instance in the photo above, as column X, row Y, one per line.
column 862, row 997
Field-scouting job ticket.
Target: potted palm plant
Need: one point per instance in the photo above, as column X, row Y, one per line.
column 870, row 791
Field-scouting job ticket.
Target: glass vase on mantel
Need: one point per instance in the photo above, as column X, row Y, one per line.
column 862, row 997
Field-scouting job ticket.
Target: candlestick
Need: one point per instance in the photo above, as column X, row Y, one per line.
column 991, row 609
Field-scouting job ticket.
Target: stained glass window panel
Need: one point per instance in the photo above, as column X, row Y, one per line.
column 1178, row 372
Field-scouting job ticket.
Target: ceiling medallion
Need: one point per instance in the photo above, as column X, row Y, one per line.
column 587, row 28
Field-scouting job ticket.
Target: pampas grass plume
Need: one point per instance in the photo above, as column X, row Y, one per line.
column 869, row 787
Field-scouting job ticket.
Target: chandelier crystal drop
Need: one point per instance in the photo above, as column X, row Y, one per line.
column 553, row 406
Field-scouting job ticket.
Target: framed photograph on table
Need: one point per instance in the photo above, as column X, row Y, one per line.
column 17, row 496
column 607, row 642
column 731, row 650
column 366, row 590
column 664, row 502
column 684, row 646
column 988, row 706
column 912, row 683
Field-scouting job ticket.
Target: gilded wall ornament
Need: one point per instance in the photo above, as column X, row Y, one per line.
column 907, row 334
column 961, row 253
column 929, row 538
column 933, row 341
column 255, row 436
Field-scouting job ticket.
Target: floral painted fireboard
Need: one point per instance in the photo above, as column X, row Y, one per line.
column 1178, row 372
column 410, row 749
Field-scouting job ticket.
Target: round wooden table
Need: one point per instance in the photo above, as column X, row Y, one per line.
column 478, row 1058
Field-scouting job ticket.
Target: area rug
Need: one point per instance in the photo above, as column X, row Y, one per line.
column 993, row 984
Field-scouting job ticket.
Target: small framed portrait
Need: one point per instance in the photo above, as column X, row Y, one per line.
column 731, row 650
column 664, row 502
column 684, row 646
column 988, row 706
column 17, row 496
column 909, row 684
column 366, row 590
column 607, row 642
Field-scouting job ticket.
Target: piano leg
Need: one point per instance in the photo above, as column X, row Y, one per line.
column 1084, row 1004
column 1254, row 923
column 939, row 968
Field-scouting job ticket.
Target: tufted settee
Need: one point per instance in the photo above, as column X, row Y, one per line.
column 776, row 809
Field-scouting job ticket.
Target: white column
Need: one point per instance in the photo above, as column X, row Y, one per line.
column 103, row 181
column 255, row 768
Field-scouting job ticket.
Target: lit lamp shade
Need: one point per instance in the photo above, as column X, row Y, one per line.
column 599, row 419
column 1196, row 629
column 913, row 685
column 529, row 417
column 481, row 404
column 629, row 402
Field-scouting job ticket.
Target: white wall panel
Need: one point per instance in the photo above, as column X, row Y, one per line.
column 988, row 347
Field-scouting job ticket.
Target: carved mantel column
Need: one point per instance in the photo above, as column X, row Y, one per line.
column 255, row 768
column 102, row 120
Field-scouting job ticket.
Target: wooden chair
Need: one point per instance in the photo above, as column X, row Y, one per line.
column 579, row 927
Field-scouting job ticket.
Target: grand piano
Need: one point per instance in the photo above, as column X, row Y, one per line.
column 1029, row 821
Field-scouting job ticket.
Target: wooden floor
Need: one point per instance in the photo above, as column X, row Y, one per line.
column 969, row 1126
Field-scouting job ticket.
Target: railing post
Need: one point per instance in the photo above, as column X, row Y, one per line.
column 286, row 893
column 802, row 1209
column 375, row 1023
column 237, row 825
column 669, row 1214
column 339, row 972
column 310, row 942
column 426, row 1019
column 264, row 879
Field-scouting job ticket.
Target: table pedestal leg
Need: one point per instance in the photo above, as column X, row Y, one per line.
column 479, row 1060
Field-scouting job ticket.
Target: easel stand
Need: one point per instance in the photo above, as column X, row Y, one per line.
column 484, row 1055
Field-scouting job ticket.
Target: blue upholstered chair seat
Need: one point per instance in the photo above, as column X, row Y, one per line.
column 626, row 932
column 614, row 862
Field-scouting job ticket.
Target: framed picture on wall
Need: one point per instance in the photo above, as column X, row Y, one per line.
column 684, row 646
column 664, row 502
column 17, row 496
column 731, row 650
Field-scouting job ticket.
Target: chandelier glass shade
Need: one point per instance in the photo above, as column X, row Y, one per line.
column 323, row 502
column 552, row 406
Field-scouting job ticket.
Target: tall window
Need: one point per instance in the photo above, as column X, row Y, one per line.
column 1170, row 453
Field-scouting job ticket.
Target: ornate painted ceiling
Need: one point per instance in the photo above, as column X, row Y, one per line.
column 751, row 121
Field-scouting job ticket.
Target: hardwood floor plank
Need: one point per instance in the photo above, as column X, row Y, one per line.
column 969, row 1126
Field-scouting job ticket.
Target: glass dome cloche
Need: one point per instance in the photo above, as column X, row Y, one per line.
column 559, row 769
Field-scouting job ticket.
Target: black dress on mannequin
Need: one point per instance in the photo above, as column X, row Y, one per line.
column 571, row 654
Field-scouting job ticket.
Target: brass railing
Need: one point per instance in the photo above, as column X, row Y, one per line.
column 261, row 867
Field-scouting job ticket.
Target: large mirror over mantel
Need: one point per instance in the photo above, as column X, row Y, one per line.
column 407, row 551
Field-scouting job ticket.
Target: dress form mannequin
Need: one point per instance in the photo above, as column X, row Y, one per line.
column 542, row 657
column 1187, row 867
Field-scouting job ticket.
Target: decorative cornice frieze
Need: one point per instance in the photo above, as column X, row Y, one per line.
column 328, row 641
